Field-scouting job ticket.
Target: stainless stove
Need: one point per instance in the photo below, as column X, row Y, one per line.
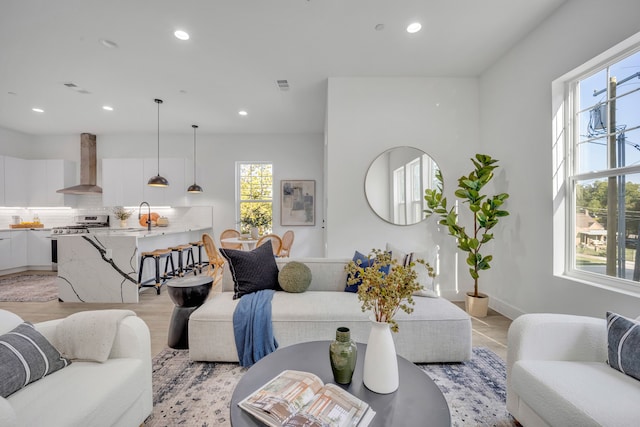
column 82, row 225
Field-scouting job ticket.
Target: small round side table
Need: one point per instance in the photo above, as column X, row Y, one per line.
column 187, row 294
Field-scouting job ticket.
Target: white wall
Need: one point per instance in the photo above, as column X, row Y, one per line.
column 367, row 116
column 14, row 144
column 293, row 157
column 516, row 116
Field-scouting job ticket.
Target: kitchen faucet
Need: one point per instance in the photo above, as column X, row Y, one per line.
column 148, row 216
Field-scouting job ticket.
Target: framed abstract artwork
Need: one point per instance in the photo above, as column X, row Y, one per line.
column 298, row 202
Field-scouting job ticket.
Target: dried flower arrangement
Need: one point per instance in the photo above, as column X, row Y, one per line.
column 386, row 286
column 122, row 213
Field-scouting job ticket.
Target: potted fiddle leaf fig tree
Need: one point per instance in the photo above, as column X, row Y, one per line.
column 486, row 212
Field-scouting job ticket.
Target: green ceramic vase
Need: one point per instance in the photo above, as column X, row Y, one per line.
column 343, row 353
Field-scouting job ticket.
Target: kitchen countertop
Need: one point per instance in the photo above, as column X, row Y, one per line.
column 142, row 232
column 130, row 231
column 26, row 229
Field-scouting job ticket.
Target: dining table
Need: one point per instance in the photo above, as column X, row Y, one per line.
column 248, row 243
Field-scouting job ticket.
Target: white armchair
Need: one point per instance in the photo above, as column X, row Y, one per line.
column 557, row 374
column 117, row 392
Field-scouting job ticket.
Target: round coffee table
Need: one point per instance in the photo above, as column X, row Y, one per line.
column 417, row 402
column 187, row 294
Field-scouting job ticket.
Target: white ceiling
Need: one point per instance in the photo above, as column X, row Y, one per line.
column 237, row 51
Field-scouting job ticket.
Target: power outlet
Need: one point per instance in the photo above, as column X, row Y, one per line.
column 109, row 253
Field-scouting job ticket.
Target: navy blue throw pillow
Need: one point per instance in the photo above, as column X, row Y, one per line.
column 365, row 262
column 252, row 270
column 623, row 344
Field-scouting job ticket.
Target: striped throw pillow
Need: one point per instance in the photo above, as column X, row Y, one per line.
column 623, row 344
column 26, row 356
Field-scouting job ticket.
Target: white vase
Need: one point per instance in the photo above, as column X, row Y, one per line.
column 255, row 232
column 123, row 223
column 380, row 361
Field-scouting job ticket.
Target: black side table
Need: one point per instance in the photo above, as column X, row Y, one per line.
column 187, row 294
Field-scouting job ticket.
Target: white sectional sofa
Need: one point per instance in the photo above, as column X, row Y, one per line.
column 437, row 330
column 557, row 374
column 114, row 393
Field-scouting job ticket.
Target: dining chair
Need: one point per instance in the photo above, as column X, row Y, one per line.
column 276, row 242
column 229, row 233
column 216, row 260
column 287, row 242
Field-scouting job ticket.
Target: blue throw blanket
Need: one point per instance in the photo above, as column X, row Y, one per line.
column 252, row 327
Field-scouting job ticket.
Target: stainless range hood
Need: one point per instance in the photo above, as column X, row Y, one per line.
column 88, row 166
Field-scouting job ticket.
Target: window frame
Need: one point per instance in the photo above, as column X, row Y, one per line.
column 566, row 137
column 238, row 197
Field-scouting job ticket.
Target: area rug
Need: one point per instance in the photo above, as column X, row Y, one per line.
column 198, row 394
column 475, row 390
column 29, row 288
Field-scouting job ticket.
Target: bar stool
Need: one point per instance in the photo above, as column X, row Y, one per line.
column 182, row 266
column 200, row 265
column 157, row 255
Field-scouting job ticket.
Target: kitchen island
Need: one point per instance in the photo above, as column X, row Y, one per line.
column 102, row 266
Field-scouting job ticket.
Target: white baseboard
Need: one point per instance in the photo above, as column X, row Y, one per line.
column 507, row 310
column 26, row 268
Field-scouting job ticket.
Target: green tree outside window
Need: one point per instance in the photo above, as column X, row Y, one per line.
column 256, row 196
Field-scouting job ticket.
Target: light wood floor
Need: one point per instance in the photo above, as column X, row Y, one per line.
column 155, row 310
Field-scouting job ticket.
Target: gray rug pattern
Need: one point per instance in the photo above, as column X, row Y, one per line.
column 29, row 288
column 198, row 394
column 475, row 390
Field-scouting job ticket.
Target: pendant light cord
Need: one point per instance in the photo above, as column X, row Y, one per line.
column 194, row 152
column 158, row 101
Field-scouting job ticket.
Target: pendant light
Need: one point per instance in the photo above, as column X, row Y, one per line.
column 195, row 188
column 158, row 181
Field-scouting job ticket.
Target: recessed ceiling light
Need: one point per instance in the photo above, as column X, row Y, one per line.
column 108, row 43
column 182, row 35
column 38, row 110
column 379, row 27
column 414, row 27
column 242, row 113
column 107, row 107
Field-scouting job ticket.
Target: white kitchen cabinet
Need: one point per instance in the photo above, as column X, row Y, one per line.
column 39, row 248
column 18, row 248
column 16, row 184
column 35, row 182
column 1, row 180
column 122, row 182
column 21, row 248
column 46, row 177
column 173, row 169
column 60, row 174
column 5, row 250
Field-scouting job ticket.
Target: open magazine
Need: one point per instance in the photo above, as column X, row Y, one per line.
column 296, row 398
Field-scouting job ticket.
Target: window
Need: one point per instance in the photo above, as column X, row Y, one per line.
column 255, row 196
column 602, row 191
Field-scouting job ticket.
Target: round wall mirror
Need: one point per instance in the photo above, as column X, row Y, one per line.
column 395, row 184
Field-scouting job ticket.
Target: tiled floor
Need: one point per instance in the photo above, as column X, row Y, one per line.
column 155, row 310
